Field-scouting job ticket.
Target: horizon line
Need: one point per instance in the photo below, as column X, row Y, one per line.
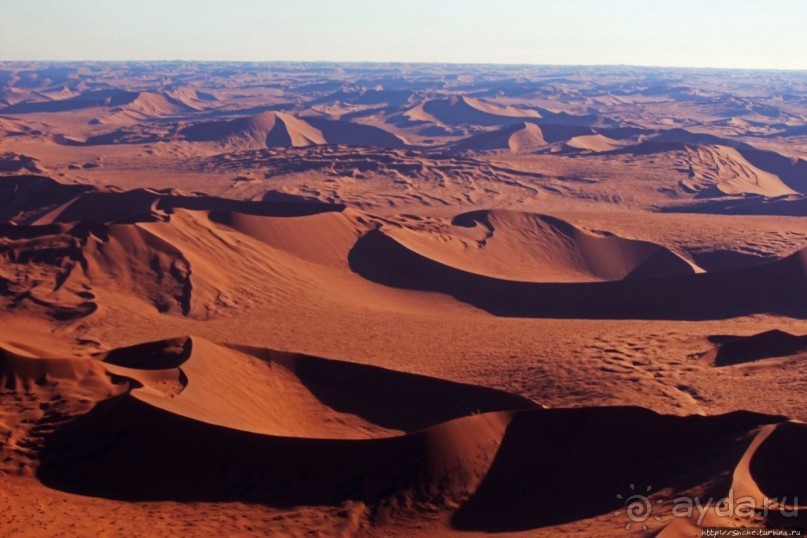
column 405, row 62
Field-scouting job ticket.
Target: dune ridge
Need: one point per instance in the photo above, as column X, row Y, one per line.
column 458, row 448
column 459, row 109
column 513, row 245
column 278, row 130
column 778, row 287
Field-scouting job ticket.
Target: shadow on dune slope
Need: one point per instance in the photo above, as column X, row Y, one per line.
column 399, row 443
column 779, row 287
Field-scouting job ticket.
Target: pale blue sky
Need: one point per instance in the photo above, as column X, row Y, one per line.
column 701, row 33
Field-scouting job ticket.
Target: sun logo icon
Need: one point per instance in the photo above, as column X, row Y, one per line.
column 638, row 507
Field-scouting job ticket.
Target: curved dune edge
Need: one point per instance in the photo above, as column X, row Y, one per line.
column 75, row 250
column 522, row 136
column 491, row 461
column 141, row 103
column 779, row 287
column 733, row 350
column 291, row 395
column 282, row 130
column 529, row 247
column 766, row 486
column 460, row 110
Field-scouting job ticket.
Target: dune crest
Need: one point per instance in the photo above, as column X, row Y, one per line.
column 458, row 448
column 526, row 247
column 281, row 130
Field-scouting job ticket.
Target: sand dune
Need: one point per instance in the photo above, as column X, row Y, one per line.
column 721, row 171
column 741, row 349
column 774, row 288
column 523, row 136
column 719, row 167
column 304, row 412
column 26, row 198
column 42, row 200
column 157, row 247
column 278, row 129
column 602, row 446
column 750, row 164
column 794, row 206
column 318, row 431
column 139, row 102
column 354, row 134
column 190, row 97
column 62, row 269
column 297, row 395
column 268, row 129
column 511, row 245
column 459, row 110
column 9, row 127
column 594, row 143
column 18, row 164
column 536, row 134
column 89, row 248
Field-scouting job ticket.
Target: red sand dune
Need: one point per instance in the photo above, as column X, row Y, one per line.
column 732, row 350
column 185, row 420
column 278, row 129
column 458, row 110
column 145, row 103
column 779, row 287
column 194, row 425
column 523, row 136
column 154, row 245
column 512, row 245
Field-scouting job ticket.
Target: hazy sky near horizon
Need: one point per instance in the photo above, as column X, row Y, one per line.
column 698, row 33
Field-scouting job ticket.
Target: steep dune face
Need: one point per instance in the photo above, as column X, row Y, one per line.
column 268, row 129
column 512, row 245
column 597, row 143
column 24, row 199
column 165, row 250
column 731, row 350
column 145, row 103
column 66, row 270
column 187, row 421
column 151, row 104
column 325, row 238
column 142, row 250
column 791, row 171
column 308, row 430
column 721, row 171
column 723, row 166
column 795, row 206
column 462, row 110
column 190, row 97
column 354, row 134
column 522, row 136
column 779, row 287
column 290, row 395
column 41, row 394
column 278, row 129
column 10, row 127
column 568, row 450
column 776, row 470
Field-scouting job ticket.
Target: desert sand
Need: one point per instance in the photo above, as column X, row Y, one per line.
column 392, row 300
